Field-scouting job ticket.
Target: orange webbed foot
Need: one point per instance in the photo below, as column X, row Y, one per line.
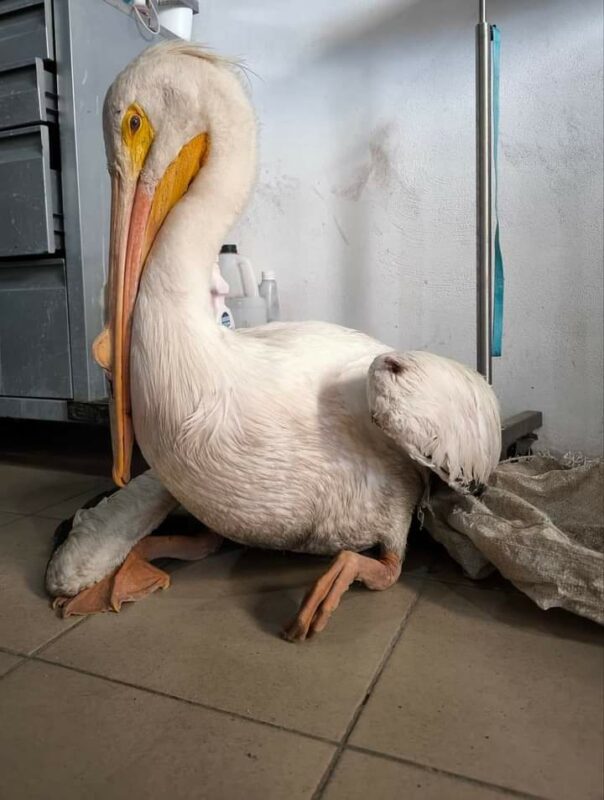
column 135, row 579
column 327, row 591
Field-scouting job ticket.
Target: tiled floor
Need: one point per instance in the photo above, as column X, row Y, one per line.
column 436, row 689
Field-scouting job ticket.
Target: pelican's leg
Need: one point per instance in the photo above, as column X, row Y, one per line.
column 102, row 536
column 136, row 577
column 325, row 595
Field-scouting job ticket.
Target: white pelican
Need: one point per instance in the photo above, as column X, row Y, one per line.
column 266, row 435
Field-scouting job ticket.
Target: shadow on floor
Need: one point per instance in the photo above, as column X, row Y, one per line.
column 72, row 446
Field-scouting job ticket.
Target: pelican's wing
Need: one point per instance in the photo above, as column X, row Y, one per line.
column 443, row 414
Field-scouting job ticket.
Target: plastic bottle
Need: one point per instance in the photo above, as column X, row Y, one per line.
column 220, row 289
column 268, row 290
column 247, row 307
column 237, row 272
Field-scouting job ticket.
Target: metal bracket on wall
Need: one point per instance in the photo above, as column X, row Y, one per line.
column 126, row 5
column 518, row 433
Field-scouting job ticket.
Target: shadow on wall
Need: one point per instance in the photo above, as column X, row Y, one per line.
column 408, row 23
column 411, row 28
column 413, row 22
column 375, row 198
column 372, row 191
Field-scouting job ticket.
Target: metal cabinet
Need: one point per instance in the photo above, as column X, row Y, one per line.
column 28, row 94
column 57, row 59
column 26, row 31
column 30, row 204
column 34, row 332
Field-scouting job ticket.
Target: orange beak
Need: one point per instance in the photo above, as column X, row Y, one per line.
column 137, row 213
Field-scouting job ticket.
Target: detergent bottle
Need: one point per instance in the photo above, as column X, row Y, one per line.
column 219, row 289
column 246, row 305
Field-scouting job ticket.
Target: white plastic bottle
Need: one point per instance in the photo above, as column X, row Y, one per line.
column 268, row 290
column 220, row 289
column 237, row 272
column 247, row 307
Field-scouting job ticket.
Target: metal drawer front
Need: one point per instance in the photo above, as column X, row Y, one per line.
column 34, row 336
column 30, row 214
column 25, row 31
column 27, row 95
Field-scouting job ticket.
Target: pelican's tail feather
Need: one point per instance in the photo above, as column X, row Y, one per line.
column 442, row 413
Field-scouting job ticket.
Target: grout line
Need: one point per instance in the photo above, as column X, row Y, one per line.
column 39, row 513
column 322, row 785
column 10, row 652
column 17, row 515
column 19, row 663
column 33, row 653
column 187, row 701
column 440, row 771
column 12, row 514
column 40, row 648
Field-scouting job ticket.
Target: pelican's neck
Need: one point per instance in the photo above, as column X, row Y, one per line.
column 189, row 241
column 179, row 353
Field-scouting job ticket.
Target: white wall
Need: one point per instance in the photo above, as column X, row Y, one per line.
column 365, row 197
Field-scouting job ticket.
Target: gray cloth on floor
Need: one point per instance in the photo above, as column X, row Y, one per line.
column 540, row 523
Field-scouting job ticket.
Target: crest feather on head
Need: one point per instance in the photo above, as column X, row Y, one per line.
column 193, row 50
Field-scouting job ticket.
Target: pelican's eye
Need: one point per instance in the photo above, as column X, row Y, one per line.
column 137, row 136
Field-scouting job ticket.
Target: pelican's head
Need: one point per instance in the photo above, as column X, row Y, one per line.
column 163, row 116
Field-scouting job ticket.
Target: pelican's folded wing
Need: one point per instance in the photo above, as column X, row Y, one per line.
column 443, row 414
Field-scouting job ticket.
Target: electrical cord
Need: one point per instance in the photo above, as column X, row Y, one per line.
column 147, row 15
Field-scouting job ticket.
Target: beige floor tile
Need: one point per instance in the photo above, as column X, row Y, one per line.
column 214, row 638
column 7, row 661
column 67, row 508
column 26, row 490
column 26, row 619
column 486, row 685
column 6, row 517
column 359, row 776
column 71, row 736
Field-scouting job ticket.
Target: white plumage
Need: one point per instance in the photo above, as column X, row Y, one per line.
column 101, row 537
column 442, row 413
column 267, row 435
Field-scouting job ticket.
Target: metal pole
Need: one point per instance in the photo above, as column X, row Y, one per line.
column 484, row 230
